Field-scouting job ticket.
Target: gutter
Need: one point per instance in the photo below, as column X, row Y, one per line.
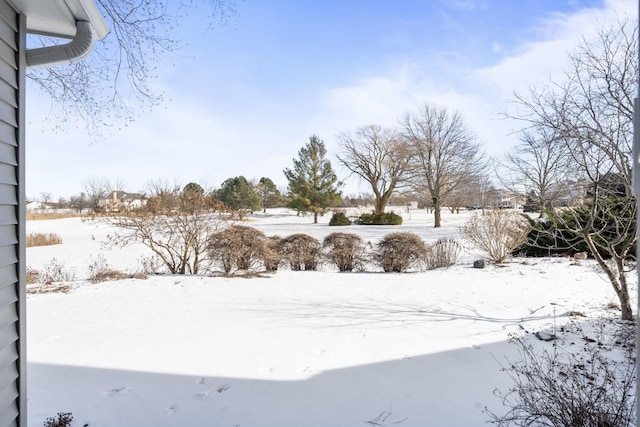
column 79, row 47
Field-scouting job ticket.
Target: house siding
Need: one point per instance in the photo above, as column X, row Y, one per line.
column 12, row 301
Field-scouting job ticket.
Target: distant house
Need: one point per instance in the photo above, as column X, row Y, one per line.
column 80, row 21
column 120, row 201
column 40, row 207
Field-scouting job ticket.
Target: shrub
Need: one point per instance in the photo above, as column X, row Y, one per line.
column 397, row 252
column 43, row 239
column 558, row 232
column 101, row 271
column 300, row 251
column 442, row 254
column 567, row 389
column 271, row 257
column 387, row 218
column 497, row 233
column 237, row 246
column 62, row 419
column 345, row 250
column 33, row 276
column 56, row 271
column 339, row 218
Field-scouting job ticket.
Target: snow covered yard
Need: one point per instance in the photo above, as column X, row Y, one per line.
column 292, row 349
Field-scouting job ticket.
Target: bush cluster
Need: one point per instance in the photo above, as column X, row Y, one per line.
column 497, row 233
column 387, row 218
column 243, row 248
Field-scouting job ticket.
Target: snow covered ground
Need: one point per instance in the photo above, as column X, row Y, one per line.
column 294, row 349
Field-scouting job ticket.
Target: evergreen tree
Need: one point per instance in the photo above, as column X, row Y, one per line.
column 313, row 185
column 269, row 193
column 239, row 195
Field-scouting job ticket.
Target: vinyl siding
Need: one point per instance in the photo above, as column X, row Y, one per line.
column 11, row 304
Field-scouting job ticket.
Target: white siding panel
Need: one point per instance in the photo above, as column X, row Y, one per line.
column 11, row 345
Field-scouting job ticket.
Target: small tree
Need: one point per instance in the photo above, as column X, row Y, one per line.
column 345, row 250
column 313, row 185
column 179, row 238
column 497, row 233
column 239, row 195
column 397, row 252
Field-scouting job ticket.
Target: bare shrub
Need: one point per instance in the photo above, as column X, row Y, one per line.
column 101, row 271
column 301, row 251
column 497, row 233
column 397, row 252
column 271, row 257
column 176, row 227
column 567, row 389
column 345, row 250
column 62, row 419
column 56, row 271
column 151, row 265
column 442, row 254
column 237, row 246
column 43, row 239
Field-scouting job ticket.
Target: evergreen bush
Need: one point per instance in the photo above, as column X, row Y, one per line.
column 339, row 218
column 387, row 218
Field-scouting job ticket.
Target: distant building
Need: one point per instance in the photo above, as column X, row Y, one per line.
column 120, row 201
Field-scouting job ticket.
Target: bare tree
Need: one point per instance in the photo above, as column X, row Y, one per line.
column 96, row 189
column 445, row 153
column 116, row 80
column 591, row 112
column 540, row 167
column 179, row 237
column 378, row 156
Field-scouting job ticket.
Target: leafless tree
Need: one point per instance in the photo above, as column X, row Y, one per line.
column 115, row 82
column 95, row 190
column 540, row 167
column 590, row 111
column 445, row 153
column 178, row 237
column 379, row 156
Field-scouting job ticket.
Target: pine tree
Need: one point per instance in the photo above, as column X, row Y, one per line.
column 313, row 185
column 239, row 195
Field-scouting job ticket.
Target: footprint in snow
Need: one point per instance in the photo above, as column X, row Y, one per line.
column 170, row 410
column 201, row 380
column 204, row 395
column 117, row 391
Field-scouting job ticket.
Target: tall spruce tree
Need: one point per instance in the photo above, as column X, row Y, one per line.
column 313, row 185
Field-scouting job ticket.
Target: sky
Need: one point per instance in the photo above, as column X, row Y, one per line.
column 242, row 98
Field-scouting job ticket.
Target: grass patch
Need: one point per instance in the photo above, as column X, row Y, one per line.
column 39, row 216
column 43, row 239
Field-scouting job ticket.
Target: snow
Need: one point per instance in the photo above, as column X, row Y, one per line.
column 292, row 349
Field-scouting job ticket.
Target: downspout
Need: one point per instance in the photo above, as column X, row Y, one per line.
column 77, row 49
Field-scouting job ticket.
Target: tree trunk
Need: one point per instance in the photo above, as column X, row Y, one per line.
column 436, row 213
column 315, row 217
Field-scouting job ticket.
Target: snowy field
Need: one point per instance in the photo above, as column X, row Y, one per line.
column 294, row 349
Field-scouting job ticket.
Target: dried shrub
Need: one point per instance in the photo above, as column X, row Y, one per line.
column 568, row 388
column 397, row 252
column 300, row 251
column 33, row 276
column 56, row 271
column 62, row 419
column 442, row 254
column 43, row 239
column 101, row 271
column 271, row 257
column 237, row 246
column 338, row 219
column 345, row 250
column 497, row 233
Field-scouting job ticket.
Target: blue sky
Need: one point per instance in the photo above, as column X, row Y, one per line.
column 243, row 98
